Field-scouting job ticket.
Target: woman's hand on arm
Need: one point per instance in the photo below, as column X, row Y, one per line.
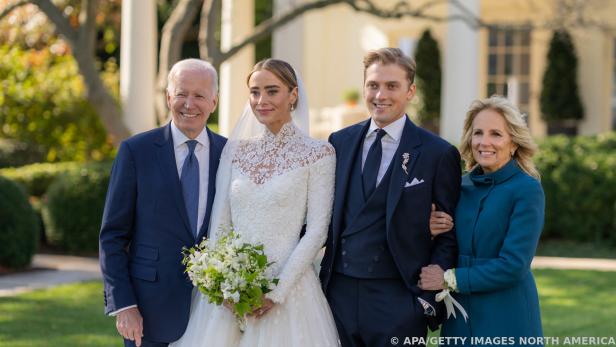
column 440, row 222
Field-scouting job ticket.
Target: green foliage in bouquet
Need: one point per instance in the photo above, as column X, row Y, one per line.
column 230, row 270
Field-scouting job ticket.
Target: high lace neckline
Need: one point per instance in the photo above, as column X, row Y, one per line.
column 272, row 154
column 287, row 130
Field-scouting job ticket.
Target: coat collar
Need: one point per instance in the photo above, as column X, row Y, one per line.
column 167, row 163
column 216, row 146
column 346, row 157
column 504, row 173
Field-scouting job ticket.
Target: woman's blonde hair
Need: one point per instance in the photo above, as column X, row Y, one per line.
column 516, row 126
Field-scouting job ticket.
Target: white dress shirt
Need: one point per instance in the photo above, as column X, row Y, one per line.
column 202, row 152
column 389, row 142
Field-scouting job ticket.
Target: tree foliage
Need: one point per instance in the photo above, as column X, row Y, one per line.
column 560, row 97
column 42, row 105
column 428, row 77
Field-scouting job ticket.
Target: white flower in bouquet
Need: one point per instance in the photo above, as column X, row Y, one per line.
column 231, row 271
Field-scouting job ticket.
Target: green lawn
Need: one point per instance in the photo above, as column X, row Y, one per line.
column 577, row 303
column 573, row 303
column 572, row 249
column 69, row 315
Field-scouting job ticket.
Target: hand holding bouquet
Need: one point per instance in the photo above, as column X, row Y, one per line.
column 230, row 271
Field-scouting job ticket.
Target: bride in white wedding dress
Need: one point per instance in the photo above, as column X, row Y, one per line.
column 273, row 179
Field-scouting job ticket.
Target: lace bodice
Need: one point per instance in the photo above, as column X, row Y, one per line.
column 274, row 154
column 278, row 183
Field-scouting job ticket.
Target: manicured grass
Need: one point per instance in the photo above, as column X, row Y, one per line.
column 571, row 249
column 69, row 315
column 573, row 303
column 577, row 303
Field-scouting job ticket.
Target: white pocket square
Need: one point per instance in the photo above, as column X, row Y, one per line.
column 414, row 182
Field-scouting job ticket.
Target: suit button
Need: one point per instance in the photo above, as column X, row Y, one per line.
column 343, row 240
column 376, row 258
column 382, row 247
column 345, row 265
column 343, row 252
column 370, row 269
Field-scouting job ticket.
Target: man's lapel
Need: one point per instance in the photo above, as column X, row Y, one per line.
column 346, row 157
column 409, row 143
column 215, row 150
column 166, row 160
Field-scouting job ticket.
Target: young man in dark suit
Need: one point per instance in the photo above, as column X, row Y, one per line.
column 388, row 173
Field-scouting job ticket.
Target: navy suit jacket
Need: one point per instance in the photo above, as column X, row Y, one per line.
column 432, row 160
column 144, row 227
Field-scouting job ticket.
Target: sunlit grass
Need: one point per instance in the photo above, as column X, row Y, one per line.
column 573, row 303
column 69, row 315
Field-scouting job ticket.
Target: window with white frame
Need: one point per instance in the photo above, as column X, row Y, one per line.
column 509, row 65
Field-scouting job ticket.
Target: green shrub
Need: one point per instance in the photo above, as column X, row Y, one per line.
column 36, row 178
column 19, row 227
column 42, row 104
column 74, row 208
column 428, row 76
column 579, row 179
column 15, row 153
column 560, row 96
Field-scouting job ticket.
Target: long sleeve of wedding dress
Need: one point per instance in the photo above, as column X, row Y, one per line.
column 318, row 214
column 277, row 182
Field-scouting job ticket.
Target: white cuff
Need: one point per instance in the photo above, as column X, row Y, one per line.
column 114, row 313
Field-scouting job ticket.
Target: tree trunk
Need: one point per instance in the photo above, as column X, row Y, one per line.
column 171, row 40
column 98, row 95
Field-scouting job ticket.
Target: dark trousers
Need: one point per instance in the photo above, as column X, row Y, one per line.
column 374, row 312
column 145, row 343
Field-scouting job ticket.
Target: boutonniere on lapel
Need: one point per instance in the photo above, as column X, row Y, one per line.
column 405, row 160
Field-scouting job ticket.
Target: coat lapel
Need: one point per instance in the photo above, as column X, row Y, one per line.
column 215, row 150
column 345, row 163
column 409, row 143
column 166, row 160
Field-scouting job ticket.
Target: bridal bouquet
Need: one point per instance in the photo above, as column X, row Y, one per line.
column 230, row 271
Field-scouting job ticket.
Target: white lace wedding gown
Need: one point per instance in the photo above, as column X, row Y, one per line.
column 278, row 183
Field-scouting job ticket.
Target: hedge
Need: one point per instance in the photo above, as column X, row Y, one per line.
column 74, row 208
column 579, row 180
column 19, row 228
column 36, row 178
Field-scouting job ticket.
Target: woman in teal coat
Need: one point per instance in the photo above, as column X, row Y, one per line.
column 498, row 220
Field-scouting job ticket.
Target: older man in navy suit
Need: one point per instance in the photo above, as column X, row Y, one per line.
column 159, row 200
column 388, row 174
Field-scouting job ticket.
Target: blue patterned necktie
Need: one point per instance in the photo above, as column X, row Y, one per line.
column 190, row 185
column 372, row 164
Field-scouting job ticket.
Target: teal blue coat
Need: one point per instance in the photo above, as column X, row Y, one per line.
column 498, row 222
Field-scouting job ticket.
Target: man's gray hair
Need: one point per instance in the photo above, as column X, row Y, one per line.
column 192, row 64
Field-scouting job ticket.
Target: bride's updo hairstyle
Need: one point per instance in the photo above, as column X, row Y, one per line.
column 281, row 69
